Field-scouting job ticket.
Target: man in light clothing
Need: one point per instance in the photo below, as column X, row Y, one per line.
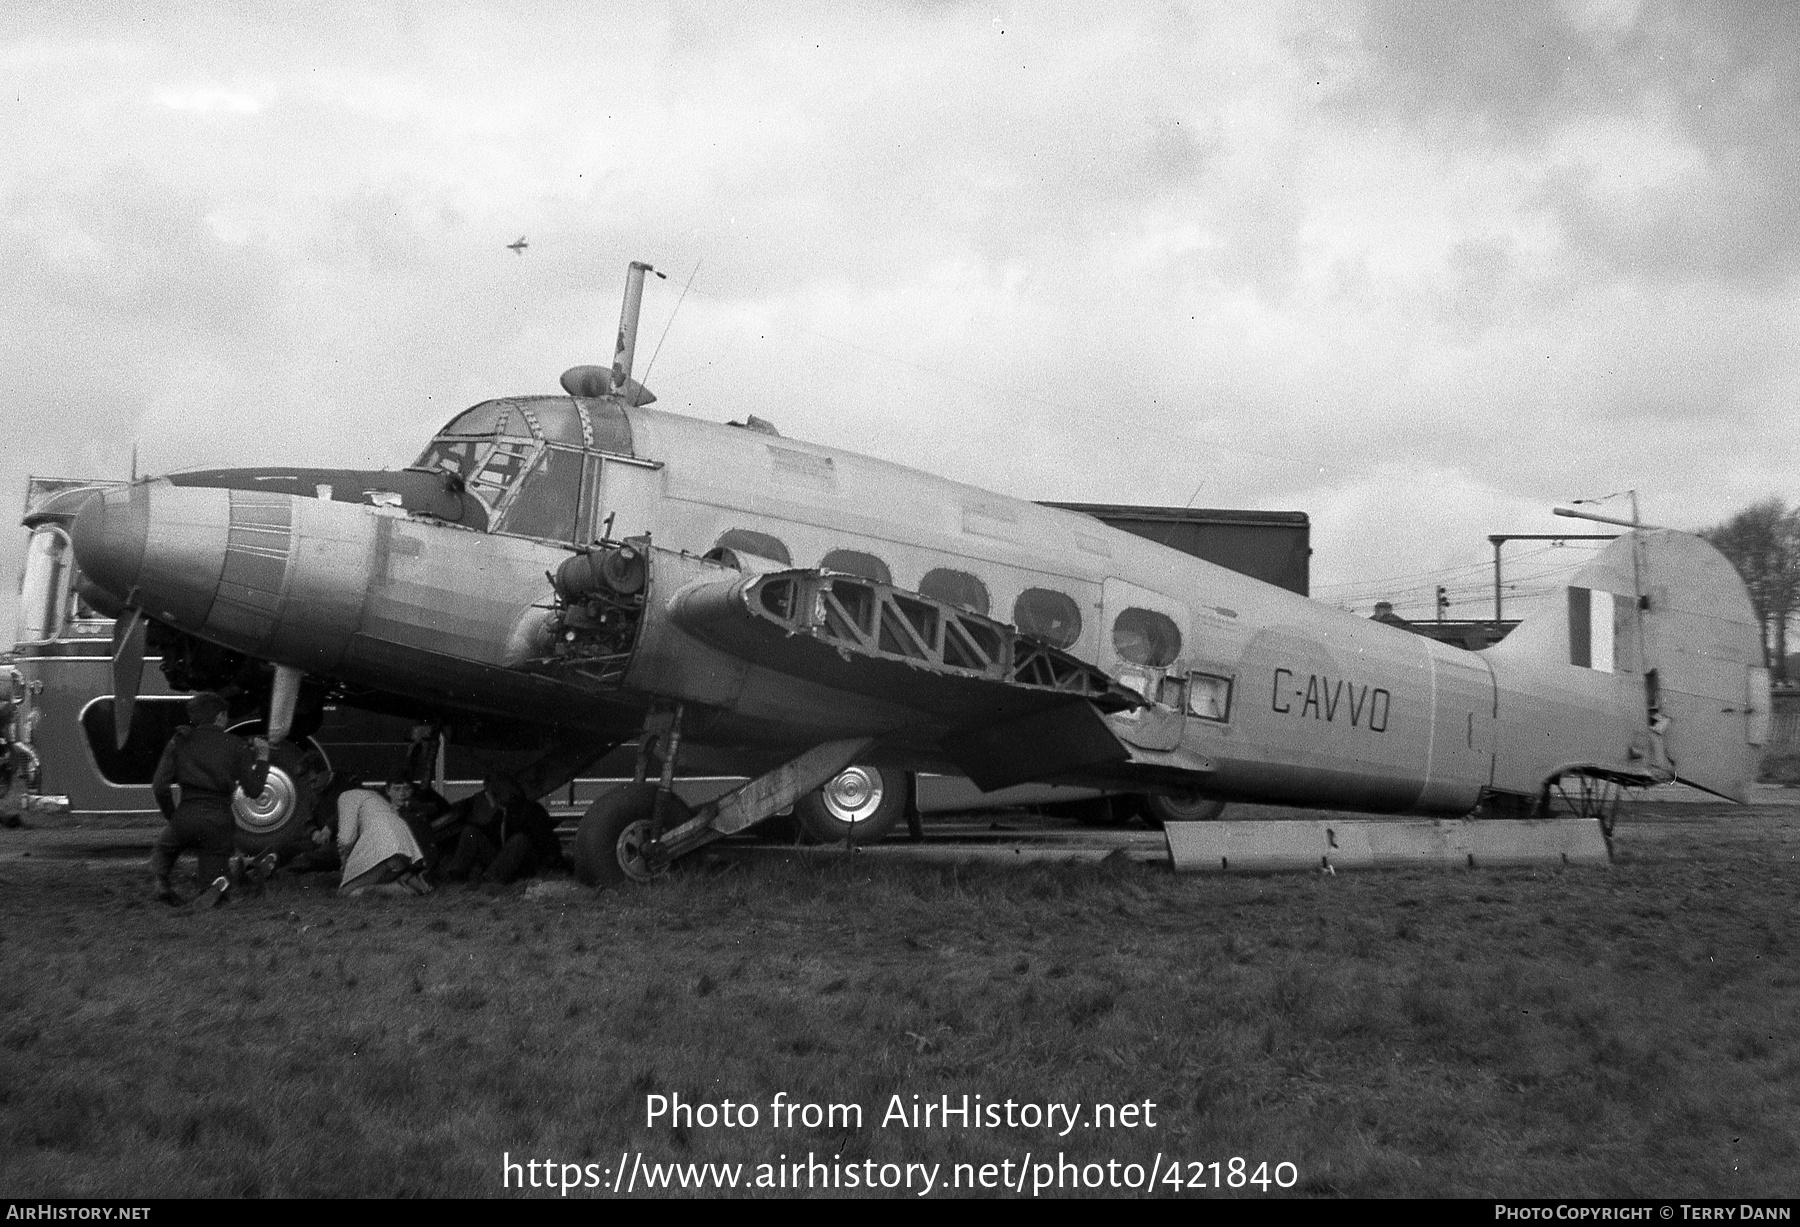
column 377, row 848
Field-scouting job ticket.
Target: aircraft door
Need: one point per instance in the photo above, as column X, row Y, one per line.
column 1142, row 633
column 629, row 491
column 1142, row 636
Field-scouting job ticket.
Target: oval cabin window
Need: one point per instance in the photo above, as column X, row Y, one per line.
column 1145, row 637
column 955, row 588
column 1048, row 615
column 855, row 562
column 749, row 541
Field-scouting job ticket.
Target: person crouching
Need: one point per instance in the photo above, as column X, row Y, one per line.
column 379, row 853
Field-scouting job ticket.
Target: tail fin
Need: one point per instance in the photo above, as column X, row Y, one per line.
column 1670, row 609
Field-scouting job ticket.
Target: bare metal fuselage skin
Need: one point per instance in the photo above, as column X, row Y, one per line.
column 1307, row 705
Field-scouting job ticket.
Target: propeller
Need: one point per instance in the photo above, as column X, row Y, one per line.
column 127, row 670
column 282, row 697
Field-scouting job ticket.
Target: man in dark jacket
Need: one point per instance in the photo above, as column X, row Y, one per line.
column 208, row 764
column 505, row 835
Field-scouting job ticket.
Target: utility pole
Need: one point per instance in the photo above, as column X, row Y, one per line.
column 1500, row 539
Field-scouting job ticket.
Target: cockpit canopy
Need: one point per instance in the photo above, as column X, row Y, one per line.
column 530, row 458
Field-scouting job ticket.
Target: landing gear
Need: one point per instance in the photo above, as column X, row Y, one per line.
column 619, row 841
column 612, row 843
column 859, row 804
column 1159, row 808
column 275, row 818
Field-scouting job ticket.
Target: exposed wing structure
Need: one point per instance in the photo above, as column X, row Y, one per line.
column 1010, row 708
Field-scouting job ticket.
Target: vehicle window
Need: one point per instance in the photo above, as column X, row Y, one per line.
column 1145, row 637
column 749, row 541
column 154, row 720
column 547, row 501
column 855, row 562
column 955, row 588
column 1048, row 615
column 43, row 601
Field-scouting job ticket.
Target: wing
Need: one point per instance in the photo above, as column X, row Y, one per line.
column 1005, row 707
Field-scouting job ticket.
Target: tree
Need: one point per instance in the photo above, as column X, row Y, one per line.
column 1763, row 543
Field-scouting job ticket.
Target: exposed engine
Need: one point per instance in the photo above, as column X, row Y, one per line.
column 599, row 607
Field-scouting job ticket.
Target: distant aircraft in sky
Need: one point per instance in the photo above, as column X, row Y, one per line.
column 518, row 248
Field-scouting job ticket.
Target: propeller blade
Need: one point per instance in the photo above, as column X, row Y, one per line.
column 127, row 670
column 283, row 695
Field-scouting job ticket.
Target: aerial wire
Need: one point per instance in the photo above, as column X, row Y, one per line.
column 645, row 381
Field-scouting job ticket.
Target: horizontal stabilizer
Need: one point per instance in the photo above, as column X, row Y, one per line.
column 1331, row 844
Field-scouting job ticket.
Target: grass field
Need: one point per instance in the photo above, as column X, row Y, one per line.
column 1622, row 1031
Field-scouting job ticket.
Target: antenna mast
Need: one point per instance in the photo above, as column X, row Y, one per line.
column 628, row 325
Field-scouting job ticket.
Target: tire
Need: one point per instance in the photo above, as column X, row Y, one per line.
column 609, row 841
column 276, row 818
column 860, row 802
column 1160, row 808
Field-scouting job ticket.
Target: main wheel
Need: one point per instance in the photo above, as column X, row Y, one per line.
column 613, row 835
column 277, row 816
column 1158, row 808
column 858, row 803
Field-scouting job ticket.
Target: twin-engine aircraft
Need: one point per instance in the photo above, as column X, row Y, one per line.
column 582, row 570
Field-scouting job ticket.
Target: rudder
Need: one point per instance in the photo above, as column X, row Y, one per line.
column 1704, row 643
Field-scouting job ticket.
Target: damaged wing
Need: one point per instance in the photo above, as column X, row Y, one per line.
column 1011, row 708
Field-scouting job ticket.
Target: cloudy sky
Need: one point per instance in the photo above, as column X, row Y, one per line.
column 1420, row 269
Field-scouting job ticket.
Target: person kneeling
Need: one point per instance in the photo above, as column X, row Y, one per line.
column 377, row 848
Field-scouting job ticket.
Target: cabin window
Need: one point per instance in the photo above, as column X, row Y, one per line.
column 1145, row 637
column 44, row 601
column 749, row 541
column 1048, row 615
column 855, row 562
column 548, row 498
column 1209, row 696
column 955, row 588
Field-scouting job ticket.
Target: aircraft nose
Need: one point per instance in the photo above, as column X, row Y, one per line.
column 109, row 534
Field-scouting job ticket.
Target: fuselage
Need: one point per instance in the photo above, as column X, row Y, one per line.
column 433, row 584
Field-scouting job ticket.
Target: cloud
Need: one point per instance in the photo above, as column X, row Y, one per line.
column 1459, row 261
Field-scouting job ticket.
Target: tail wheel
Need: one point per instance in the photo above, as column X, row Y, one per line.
column 615, row 833
column 1159, row 808
column 276, row 817
column 859, row 803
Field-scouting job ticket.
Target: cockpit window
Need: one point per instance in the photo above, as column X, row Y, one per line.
column 503, row 466
column 452, row 455
column 547, row 500
column 559, row 421
column 487, row 418
column 492, row 445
